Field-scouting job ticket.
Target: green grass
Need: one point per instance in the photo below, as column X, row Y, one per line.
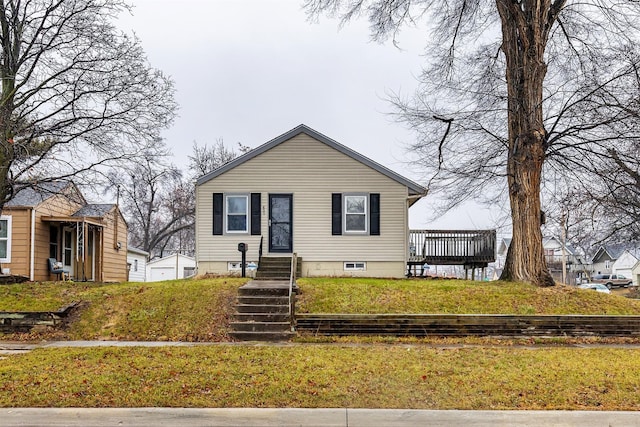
column 315, row 376
column 176, row 310
column 365, row 296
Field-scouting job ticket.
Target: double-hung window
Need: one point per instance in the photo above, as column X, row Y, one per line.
column 236, row 214
column 355, row 213
column 5, row 239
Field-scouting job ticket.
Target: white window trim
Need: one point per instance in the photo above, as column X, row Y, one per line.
column 366, row 213
column 226, row 214
column 355, row 266
column 9, row 220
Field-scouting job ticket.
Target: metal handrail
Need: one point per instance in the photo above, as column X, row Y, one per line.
column 292, row 279
column 260, row 250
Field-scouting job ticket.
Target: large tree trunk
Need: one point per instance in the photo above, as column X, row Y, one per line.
column 524, row 32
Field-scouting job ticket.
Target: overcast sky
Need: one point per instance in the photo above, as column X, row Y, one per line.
column 249, row 70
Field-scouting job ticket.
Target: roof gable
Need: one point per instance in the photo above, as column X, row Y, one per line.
column 414, row 188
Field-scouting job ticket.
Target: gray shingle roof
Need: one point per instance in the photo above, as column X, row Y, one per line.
column 33, row 195
column 94, row 210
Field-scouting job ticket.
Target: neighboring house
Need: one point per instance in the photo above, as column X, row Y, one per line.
column 340, row 212
column 137, row 264
column 624, row 265
column 635, row 274
column 606, row 256
column 554, row 254
column 53, row 220
column 171, row 267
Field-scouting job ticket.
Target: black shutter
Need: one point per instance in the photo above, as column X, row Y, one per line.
column 255, row 214
column 217, row 213
column 336, row 214
column 374, row 214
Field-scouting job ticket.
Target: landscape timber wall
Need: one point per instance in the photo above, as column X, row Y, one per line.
column 452, row 325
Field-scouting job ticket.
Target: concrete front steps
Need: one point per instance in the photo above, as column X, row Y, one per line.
column 262, row 312
column 276, row 268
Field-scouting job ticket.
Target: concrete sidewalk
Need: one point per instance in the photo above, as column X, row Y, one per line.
column 340, row 417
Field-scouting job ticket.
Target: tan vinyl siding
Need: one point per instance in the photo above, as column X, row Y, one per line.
column 114, row 260
column 20, row 232
column 311, row 171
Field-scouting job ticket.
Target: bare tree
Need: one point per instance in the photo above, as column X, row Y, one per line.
column 206, row 158
column 76, row 93
column 517, row 90
column 159, row 201
column 155, row 202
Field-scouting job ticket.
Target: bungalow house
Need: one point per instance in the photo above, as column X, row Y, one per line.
column 51, row 222
column 340, row 212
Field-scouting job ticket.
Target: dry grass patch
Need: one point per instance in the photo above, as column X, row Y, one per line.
column 367, row 296
column 176, row 310
column 314, row 376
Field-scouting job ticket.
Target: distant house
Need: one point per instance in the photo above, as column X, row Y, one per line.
column 137, row 264
column 554, row 253
column 303, row 192
column 53, row 221
column 606, row 256
column 171, row 267
column 624, row 264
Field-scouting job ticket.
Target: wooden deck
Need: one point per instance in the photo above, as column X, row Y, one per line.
column 471, row 248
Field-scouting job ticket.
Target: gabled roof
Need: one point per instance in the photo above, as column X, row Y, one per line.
column 615, row 250
column 31, row 195
column 94, row 210
column 414, row 188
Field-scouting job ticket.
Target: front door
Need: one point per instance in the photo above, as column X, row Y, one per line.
column 280, row 223
column 68, row 252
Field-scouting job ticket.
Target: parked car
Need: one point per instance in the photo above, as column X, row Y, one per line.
column 612, row 280
column 598, row 287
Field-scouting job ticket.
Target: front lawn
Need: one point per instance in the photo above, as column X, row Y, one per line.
column 325, row 376
column 368, row 296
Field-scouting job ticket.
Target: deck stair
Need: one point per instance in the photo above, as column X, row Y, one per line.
column 262, row 312
column 276, row 268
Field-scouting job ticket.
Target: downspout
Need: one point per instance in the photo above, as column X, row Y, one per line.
column 32, row 250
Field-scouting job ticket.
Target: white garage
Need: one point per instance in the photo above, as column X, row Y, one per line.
column 172, row 267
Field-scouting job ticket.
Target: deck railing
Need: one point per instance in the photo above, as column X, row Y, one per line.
column 452, row 247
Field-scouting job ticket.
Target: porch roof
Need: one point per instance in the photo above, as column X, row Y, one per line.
column 74, row 219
